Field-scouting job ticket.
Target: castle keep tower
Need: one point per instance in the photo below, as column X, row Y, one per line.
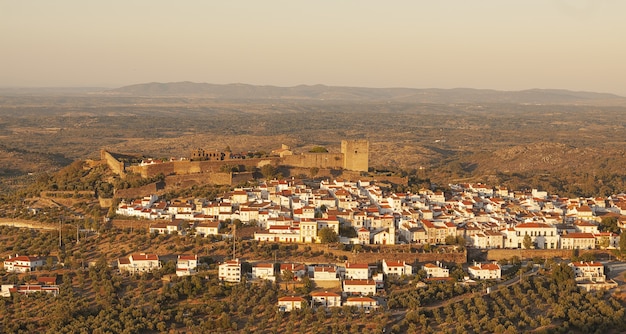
column 355, row 155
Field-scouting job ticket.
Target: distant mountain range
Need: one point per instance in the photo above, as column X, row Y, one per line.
column 322, row 92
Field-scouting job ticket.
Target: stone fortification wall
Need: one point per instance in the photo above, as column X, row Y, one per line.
column 115, row 165
column 105, row 202
column 411, row 258
column 503, row 254
column 240, row 178
column 319, row 160
column 197, row 167
column 356, row 155
column 188, row 180
column 139, row 192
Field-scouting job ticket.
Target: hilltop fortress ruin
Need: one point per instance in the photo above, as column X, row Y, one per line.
column 353, row 160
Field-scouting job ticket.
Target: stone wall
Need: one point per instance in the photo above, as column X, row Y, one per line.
column 355, row 155
column 504, row 254
column 319, row 160
column 139, row 192
column 197, row 167
column 115, row 165
column 410, row 258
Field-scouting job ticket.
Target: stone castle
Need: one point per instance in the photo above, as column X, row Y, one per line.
column 354, row 156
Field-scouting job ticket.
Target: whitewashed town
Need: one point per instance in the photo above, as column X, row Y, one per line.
column 361, row 213
column 484, row 217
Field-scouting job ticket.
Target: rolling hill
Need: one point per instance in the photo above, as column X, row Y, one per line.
column 322, row 92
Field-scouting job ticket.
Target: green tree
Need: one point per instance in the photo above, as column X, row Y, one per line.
column 287, row 276
column 268, row 171
column 451, row 240
column 622, row 243
column 313, row 171
column 347, row 231
column 604, row 242
column 318, row 149
column 609, row 224
column 527, row 242
column 327, row 235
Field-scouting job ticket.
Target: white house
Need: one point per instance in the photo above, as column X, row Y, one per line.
column 230, row 271
column 488, row 239
column 290, row 303
column 578, row 240
column 325, row 273
column 186, row 265
column 298, row 269
column 326, row 299
column 435, row 270
column 588, row 271
column 365, row 303
column 357, row 271
column 23, row 263
column 26, row 289
column 386, row 236
column 263, row 271
column 362, row 287
column 543, row 236
column 139, row 263
column 208, row 228
column 364, row 236
column 397, row 268
column 167, row 227
column 485, row 271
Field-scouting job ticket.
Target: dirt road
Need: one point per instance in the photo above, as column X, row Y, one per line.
column 27, row 224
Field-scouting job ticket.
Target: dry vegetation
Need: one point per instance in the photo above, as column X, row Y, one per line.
column 567, row 149
column 488, row 142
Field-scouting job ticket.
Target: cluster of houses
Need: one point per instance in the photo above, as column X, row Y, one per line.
column 485, row 217
column 359, row 282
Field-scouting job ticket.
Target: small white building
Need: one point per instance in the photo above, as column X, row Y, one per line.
column 186, row 265
column 174, row 226
column 290, row 303
column 488, row 239
column 357, row 271
column 326, row 299
column 299, row 270
column 26, row 289
column 139, row 263
column 263, row 271
column 397, row 268
column 230, row 271
column 362, row 287
column 208, row 228
column 435, row 270
column 588, row 271
column 23, row 263
column 365, row 303
column 578, row 240
column 325, row 273
column 485, row 271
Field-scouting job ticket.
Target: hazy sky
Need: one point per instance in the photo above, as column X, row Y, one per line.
column 497, row 44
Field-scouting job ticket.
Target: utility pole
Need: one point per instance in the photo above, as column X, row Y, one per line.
column 77, row 236
column 60, row 228
column 234, row 239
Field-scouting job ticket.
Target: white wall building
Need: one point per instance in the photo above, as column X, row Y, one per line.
column 139, row 263
column 230, row 271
